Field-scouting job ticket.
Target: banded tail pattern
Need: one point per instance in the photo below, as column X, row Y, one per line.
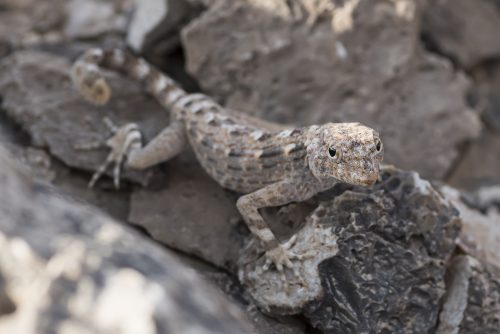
column 87, row 76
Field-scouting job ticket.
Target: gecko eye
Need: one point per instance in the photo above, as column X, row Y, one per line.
column 378, row 145
column 334, row 154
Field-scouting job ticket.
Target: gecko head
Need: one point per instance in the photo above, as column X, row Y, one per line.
column 349, row 152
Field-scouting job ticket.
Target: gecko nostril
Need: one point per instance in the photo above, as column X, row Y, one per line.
column 378, row 145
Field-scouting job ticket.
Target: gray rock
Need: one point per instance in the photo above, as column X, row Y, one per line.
column 70, row 269
column 92, row 18
column 23, row 21
column 192, row 214
column 382, row 255
column 37, row 95
column 156, row 24
column 472, row 301
column 480, row 234
column 486, row 93
column 464, row 30
column 483, row 302
column 260, row 323
column 318, row 61
column 478, row 165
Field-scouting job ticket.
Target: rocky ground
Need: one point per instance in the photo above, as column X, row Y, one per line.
column 417, row 253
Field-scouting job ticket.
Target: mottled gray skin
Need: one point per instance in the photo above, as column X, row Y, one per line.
column 273, row 165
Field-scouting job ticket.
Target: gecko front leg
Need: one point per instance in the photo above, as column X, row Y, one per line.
column 126, row 146
column 276, row 194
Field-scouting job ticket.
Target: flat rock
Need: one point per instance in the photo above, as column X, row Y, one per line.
column 319, row 61
column 37, row 95
column 382, row 265
column 67, row 268
column 469, row 32
column 192, row 214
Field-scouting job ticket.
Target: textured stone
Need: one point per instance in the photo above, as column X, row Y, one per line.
column 69, row 269
column 387, row 249
column 483, row 302
column 472, row 301
column 37, row 95
column 318, row 61
column 464, row 30
column 480, row 235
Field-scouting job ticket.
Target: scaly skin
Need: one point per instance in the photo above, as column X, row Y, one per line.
column 272, row 165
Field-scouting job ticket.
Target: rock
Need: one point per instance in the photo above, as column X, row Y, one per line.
column 469, row 32
column 68, row 268
column 472, row 301
column 156, row 24
column 260, row 323
column 486, row 93
column 44, row 169
column 382, row 265
column 192, row 214
column 22, row 21
column 38, row 95
column 479, row 163
column 320, row 61
column 93, row 18
column 480, row 235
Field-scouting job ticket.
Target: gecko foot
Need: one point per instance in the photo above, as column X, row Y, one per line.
column 124, row 139
column 281, row 256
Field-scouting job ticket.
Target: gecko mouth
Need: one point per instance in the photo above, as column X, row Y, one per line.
column 368, row 182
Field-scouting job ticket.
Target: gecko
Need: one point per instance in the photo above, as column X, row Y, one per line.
column 270, row 165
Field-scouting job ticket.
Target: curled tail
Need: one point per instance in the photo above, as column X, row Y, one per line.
column 88, row 79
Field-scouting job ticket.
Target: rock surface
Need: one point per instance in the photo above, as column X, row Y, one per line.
column 67, row 268
column 320, row 61
column 472, row 300
column 37, row 95
column 480, row 235
column 466, row 31
column 479, row 164
column 155, row 25
column 383, row 254
column 192, row 214
column 93, row 18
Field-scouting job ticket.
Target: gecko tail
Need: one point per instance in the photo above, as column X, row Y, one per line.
column 87, row 76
